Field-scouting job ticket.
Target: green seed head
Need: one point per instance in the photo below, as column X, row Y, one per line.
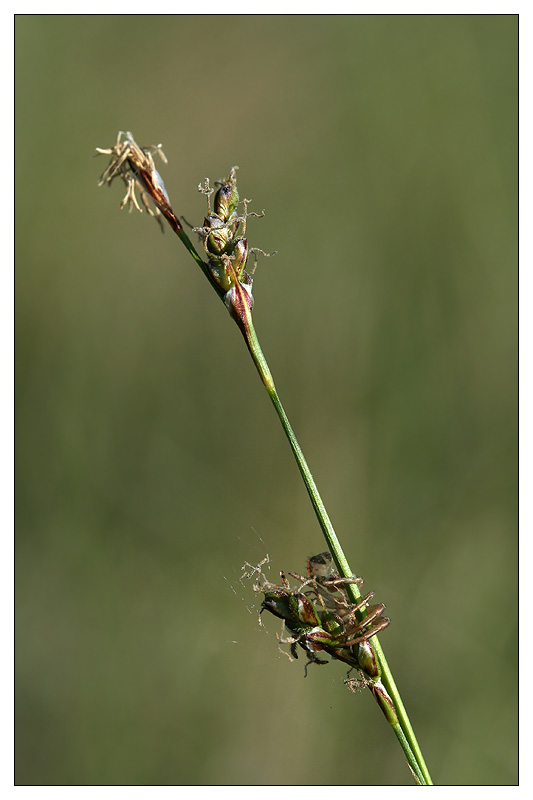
column 332, row 624
column 240, row 257
column 305, row 610
column 385, row 702
column 217, row 240
column 226, row 201
column 280, row 603
column 367, row 659
column 219, row 273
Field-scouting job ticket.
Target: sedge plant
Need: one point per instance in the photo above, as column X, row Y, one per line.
column 225, row 264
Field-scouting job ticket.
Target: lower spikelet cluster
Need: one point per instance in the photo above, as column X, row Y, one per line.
column 321, row 619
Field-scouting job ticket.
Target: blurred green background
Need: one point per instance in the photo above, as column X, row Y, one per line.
column 150, row 463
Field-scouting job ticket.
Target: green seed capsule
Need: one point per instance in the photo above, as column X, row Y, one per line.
column 240, row 257
column 306, row 611
column 218, row 271
column 217, row 240
column 226, row 201
column 385, row 702
column 367, row 659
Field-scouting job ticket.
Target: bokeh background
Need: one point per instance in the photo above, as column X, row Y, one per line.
column 150, row 463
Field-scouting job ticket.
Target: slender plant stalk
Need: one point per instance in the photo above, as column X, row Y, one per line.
column 135, row 166
column 402, row 726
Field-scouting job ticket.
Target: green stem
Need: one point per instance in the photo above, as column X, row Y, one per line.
column 403, row 728
column 404, row 722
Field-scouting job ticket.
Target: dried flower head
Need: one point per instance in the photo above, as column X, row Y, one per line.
column 135, row 166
